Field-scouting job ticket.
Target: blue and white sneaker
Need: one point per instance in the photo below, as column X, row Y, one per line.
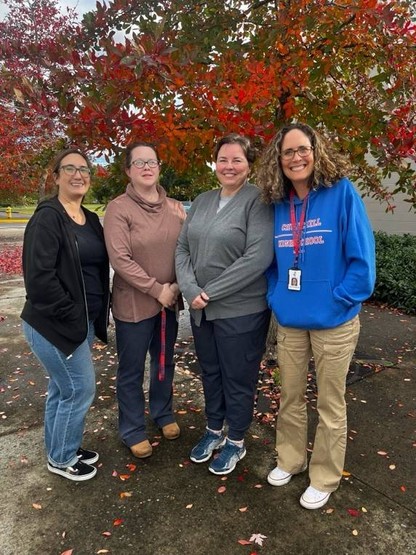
column 227, row 459
column 203, row 450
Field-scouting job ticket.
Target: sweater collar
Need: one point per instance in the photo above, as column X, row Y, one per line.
column 145, row 204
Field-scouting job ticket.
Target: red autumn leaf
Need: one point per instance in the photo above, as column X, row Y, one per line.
column 403, row 488
column 124, row 477
column 353, row 512
column 117, row 521
column 11, row 260
column 132, row 467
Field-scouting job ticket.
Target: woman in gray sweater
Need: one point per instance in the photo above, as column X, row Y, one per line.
column 223, row 251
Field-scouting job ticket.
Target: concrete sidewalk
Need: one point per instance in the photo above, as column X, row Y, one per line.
column 165, row 505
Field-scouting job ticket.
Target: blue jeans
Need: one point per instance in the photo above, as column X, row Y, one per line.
column 229, row 352
column 134, row 339
column 71, row 391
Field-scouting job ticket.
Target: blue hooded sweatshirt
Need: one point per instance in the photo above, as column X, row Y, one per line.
column 337, row 259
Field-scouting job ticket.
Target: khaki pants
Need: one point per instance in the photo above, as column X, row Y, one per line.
column 332, row 350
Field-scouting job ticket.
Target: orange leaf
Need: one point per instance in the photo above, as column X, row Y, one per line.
column 403, row 488
column 117, row 521
column 346, row 473
column 124, row 477
column 132, row 467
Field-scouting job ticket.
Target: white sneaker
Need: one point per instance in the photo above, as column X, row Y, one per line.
column 278, row 477
column 313, row 498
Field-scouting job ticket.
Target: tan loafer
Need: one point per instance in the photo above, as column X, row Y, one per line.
column 141, row 450
column 171, row 431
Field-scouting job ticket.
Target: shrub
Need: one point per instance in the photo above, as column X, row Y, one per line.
column 396, row 271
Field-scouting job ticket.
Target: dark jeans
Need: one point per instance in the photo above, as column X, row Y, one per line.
column 134, row 340
column 229, row 353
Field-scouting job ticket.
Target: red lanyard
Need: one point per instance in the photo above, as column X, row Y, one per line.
column 297, row 227
column 162, row 354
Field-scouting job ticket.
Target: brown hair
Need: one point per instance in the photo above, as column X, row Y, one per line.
column 132, row 146
column 244, row 142
column 56, row 164
column 329, row 164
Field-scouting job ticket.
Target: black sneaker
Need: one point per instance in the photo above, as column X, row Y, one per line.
column 86, row 456
column 77, row 473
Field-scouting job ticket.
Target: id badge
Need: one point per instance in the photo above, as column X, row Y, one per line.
column 294, row 279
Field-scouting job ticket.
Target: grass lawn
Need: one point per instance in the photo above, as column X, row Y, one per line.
column 99, row 209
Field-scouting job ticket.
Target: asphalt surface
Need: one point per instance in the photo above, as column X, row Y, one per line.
column 166, row 505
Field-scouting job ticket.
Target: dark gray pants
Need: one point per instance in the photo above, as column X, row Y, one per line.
column 229, row 351
column 133, row 342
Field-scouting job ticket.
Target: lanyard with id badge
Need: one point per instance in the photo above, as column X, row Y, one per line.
column 294, row 281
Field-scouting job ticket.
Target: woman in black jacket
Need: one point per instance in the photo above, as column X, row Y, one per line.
column 66, row 273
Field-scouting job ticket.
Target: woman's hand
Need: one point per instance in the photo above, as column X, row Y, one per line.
column 168, row 295
column 175, row 288
column 200, row 302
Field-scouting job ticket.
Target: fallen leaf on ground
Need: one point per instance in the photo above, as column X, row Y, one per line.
column 353, row 512
column 189, row 506
column 117, row 521
column 243, row 509
column 258, row 538
column 37, row 506
column 124, row 494
column 106, row 534
column 67, row 552
column 244, row 542
column 221, row 489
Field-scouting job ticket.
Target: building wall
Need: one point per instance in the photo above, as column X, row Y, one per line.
column 401, row 221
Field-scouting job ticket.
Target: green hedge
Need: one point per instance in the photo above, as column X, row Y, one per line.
column 396, row 271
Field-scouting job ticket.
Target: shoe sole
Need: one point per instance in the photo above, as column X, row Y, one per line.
column 284, row 481
column 229, row 470
column 143, row 456
column 317, row 505
column 72, row 477
column 205, row 459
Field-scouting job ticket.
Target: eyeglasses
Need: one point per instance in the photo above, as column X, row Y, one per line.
column 71, row 170
column 303, row 152
column 139, row 163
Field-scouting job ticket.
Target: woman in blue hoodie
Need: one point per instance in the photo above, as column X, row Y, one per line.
column 324, row 269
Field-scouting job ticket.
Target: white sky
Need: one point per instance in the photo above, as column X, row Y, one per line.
column 81, row 6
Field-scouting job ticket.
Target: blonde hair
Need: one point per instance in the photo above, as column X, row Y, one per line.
column 329, row 164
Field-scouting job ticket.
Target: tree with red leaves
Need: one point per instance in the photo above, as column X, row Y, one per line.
column 182, row 72
column 30, row 119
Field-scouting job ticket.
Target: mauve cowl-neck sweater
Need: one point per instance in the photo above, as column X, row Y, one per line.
column 141, row 238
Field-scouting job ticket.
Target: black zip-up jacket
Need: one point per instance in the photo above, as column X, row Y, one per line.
column 55, row 294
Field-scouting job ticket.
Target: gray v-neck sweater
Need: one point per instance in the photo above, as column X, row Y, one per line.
column 226, row 253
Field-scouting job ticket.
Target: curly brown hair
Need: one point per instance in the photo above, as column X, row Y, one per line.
column 329, row 164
